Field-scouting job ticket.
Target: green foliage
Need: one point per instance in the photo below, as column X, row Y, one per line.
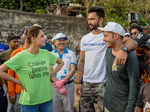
column 40, row 11
column 36, row 5
column 28, row 5
column 117, row 10
column 10, row 4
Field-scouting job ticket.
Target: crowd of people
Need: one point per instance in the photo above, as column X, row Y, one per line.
column 112, row 70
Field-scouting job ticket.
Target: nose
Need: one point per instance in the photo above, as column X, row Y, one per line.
column 104, row 39
column 16, row 42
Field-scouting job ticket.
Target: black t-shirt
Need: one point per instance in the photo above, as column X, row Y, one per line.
column 141, row 41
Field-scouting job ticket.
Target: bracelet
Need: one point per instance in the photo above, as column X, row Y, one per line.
column 125, row 49
column 77, row 81
column 78, row 77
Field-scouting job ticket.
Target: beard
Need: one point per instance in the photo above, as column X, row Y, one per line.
column 94, row 27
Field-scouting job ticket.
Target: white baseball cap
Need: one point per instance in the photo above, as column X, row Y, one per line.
column 127, row 34
column 37, row 25
column 59, row 36
column 114, row 27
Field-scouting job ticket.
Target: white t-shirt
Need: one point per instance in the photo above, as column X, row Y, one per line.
column 68, row 58
column 95, row 63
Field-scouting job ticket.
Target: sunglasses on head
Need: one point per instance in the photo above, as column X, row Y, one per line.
column 134, row 33
column 26, row 29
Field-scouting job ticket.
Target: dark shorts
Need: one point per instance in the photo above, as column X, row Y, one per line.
column 3, row 101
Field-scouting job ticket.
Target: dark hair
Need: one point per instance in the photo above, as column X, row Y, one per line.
column 136, row 26
column 99, row 11
column 12, row 36
column 33, row 31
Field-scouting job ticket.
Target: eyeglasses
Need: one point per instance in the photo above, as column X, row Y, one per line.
column 134, row 33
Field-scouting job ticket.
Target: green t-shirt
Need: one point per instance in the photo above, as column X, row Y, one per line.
column 34, row 74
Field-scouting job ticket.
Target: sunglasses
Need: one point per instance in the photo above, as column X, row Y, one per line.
column 26, row 29
column 134, row 33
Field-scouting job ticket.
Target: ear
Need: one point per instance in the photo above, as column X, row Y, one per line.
column 54, row 42
column 33, row 38
column 100, row 21
column 117, row 36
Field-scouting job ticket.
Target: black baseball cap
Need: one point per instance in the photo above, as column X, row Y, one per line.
column 11, row 37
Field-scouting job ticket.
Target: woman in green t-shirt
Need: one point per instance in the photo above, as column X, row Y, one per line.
column 33, row 67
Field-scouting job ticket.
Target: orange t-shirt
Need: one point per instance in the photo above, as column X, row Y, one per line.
column 12, row 87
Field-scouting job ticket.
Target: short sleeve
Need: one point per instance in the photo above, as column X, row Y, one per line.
column 73, row 58
column 82, row 45
column 53, row 58
column 14, row 62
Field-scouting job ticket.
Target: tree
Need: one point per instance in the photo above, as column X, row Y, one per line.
column 27, row 5
column 117, row 10
column 21, row 5
column 9, row 4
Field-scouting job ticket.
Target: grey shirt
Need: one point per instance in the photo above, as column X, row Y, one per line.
column 121, row 85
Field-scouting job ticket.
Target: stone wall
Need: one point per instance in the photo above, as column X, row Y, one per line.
column 13, row 21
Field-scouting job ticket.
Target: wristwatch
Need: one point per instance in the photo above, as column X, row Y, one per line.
column 125, row 49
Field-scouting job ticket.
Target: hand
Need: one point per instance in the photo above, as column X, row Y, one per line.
column 12, row 99
column 138, row 109
column 78, row 77
column 121, row 57
column 132, row 44
column 60, row 83
column 78, row 89
column 64, row 80
column 22, row 86
column 62, row 91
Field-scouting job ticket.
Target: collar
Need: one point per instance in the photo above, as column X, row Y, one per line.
column 61, row 55
column 65, row 51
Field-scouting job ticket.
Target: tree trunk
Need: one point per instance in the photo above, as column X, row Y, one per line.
column 86, row 4
column 94, row 2
column 21, row 5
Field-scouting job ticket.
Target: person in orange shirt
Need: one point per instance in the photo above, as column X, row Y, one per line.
column 14, row 90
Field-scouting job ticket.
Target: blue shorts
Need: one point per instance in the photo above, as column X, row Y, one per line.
column 44, row 107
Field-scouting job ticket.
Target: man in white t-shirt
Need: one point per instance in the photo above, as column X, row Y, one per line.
column 91, row 66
